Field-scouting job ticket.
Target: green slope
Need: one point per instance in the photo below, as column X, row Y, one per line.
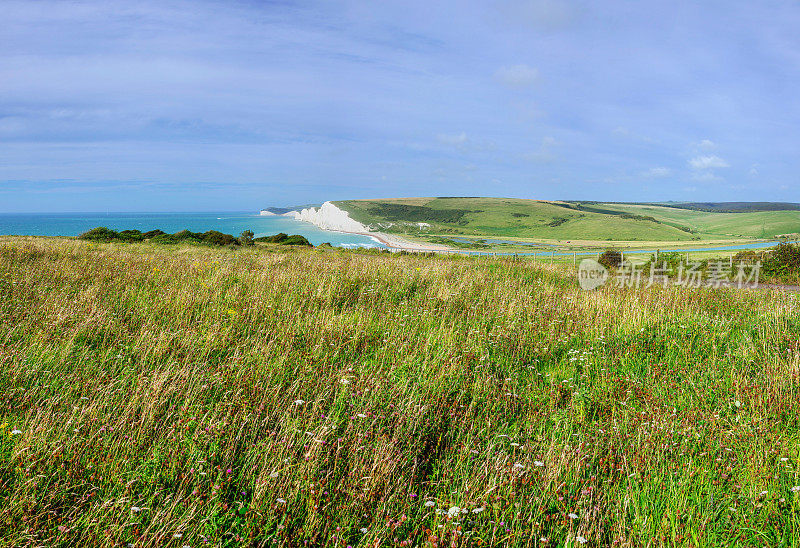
column 534, row 219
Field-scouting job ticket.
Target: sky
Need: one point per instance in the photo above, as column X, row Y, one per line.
column 237, row 105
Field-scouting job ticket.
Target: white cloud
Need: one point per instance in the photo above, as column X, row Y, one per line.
column 706, row 144
column 655, row 172
column 517, row 76
column 707, row 162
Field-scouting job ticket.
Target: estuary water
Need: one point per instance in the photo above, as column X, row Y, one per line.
column 73, row 224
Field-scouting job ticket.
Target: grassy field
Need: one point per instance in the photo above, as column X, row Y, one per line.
column 562, row 221
column 189, row 396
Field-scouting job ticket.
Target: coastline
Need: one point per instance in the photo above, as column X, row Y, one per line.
column 331, row 218
column 401, row 244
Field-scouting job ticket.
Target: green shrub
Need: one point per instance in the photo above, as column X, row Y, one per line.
column 296, row 239
column 274, row 239
column 164, row 239
column 99, row 234
column 214, row 237
column 152, row 233
column 131, row 236
column 187, row 235
column 782, row 261
column 610, row 258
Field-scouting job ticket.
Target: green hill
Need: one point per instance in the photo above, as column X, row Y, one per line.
column 561, row 220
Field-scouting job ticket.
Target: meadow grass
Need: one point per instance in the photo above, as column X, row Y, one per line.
column 189, row 396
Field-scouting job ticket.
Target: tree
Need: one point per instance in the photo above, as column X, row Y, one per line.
column 246, row 237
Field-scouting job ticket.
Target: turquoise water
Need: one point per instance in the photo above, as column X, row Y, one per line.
column 72, row 224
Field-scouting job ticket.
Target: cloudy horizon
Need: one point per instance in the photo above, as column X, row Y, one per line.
column 190, row 106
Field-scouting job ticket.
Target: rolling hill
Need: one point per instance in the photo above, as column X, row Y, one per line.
column 574, row 220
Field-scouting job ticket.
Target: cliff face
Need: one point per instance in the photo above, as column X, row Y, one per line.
column 330, row 217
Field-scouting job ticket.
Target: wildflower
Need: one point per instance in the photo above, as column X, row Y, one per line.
column 573, row 516
column 538, row 463
column 344, row 381
column 764, row 493
column 796, row 488
column 273, row 475
column 784, row 459
column 429, row 503
column 361, row 415
column 581, row 539
column 299, row 402
column 177, row 535
column 518, row 465
column 135, row 509
column 281, row 501
column 477, row 510
column 453, row 511
column 363, row 530
column 15, row 432
column 514, row 444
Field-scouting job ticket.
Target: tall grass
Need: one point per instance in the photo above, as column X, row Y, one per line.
column 190, row 396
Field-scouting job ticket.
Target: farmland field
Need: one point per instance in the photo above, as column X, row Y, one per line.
column 174, row 396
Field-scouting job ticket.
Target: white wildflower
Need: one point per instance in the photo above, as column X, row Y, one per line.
column 538, row 463
column 281, row 501
column 581, row 539
column 572, row 516
column 477, row 510
column 299, row 402
column 429, row 503
column 453, row 511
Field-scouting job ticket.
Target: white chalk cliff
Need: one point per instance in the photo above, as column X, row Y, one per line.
column 330, row 217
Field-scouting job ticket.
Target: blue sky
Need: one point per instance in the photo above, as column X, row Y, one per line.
column 158, row 106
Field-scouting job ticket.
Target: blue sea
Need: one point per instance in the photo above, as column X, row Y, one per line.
column 73, row 224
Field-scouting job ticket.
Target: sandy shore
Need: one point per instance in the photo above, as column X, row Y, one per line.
column 396, row 242
column 401, row 244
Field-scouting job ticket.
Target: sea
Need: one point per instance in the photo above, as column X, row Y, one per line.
column 73, row 224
